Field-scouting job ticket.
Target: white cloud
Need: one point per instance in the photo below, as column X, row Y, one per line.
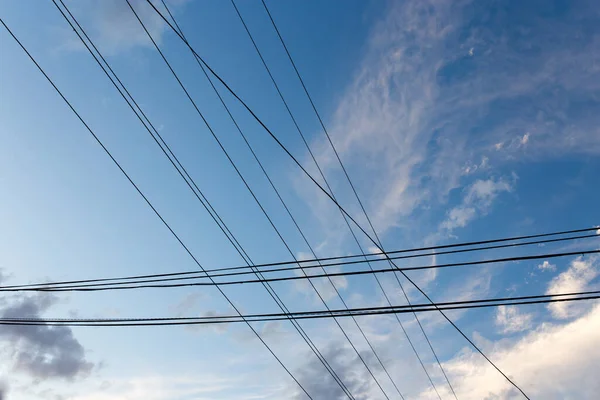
column 575, row 279
column 552, row 362
column 510, row 320
column 546, row 266
column 477, row 199
column 114, row 28
column 416, row 111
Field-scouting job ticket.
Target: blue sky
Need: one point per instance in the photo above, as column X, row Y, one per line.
column 456, row 120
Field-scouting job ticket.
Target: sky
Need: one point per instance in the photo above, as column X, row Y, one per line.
column 456, row 121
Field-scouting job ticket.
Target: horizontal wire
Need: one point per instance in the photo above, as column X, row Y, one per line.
column 456, row 305
column 206, row 272
column 84, row 288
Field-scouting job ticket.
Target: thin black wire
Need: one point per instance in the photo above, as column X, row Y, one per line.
column 342, row 385
column 379, row 243
column 92, row 287
column 431, row 266
column 324, row 191
column 367, row 311
column 290, row 215
column 297, row 227
column 143, row 196
column 380, row 246
column 332, row 194
column 127, row 278
column 224, row 228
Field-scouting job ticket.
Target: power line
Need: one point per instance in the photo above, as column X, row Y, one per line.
column 291, row 217
column 105, row 149
column 328, row 195
column 224, row 228
column 92, row 287
column 331, row 191
column 376, row 257
column 246, row 185
column 379, row 243
column 365, row 311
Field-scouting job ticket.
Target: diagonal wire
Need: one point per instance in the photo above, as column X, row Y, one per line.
column 253, row 114
column 187, row 274
column 269, row 289
column 295, row 224
column 116, row 286
column 367, row 311
column 97, row 139
column 333, row 195
column 379, row 243
column 224, row 228
column 248, row 187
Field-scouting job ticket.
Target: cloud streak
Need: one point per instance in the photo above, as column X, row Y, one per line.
column 423, row 103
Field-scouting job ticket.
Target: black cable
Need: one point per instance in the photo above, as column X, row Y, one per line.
column 92, row 287
column 379, row 243
column 366, row 311
column 326, row 193
column 331, row 191
column 292, row 218
column 274, row 295
column 224, row 228
column 215, row 217
column 207, row 271
column 97, row 139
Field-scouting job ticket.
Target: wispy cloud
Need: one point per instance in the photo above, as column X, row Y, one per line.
column 114, row 28
column 423, row 103
column 477, row 200
column 575, row 279
column 546, row 266
column 510, row 320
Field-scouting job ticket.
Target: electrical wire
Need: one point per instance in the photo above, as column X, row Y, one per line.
column 365, row 311
column 330, row 196
column 243, row 136
column 117, row 286
column 224, row 228
column 118, row 165
column 376, row 257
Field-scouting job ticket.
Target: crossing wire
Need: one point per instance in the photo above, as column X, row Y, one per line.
column 240, row 175
column 118, row 165
column 224, row 228
column 332, row 198
column 333, row 195
column 93, row 287
column 366, row 311
column 295, row 223
column 377, row 257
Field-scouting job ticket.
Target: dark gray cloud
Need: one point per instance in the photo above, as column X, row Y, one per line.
column 321, row 385
column 43, row 352
column 3, row 391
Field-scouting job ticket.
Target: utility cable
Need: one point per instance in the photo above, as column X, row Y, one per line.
column 116, row 286
column 376, row 257
column 365, row 311
column 97, row 139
